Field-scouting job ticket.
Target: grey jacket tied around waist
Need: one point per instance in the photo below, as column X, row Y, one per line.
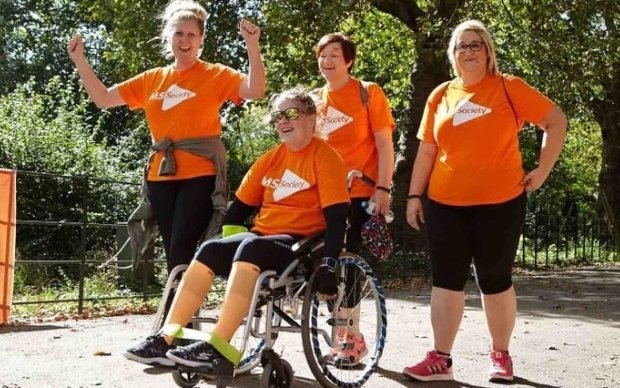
column 141, row 223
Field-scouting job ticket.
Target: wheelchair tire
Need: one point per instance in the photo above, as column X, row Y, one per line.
column 318, row 333
column 185, row 379
column 274, row 378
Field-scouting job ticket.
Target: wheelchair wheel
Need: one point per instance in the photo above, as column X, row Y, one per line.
column 321, row 324
column 274, row 378
column 185, row 379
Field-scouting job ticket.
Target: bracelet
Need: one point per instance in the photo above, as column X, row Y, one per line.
column 412, row 196
column 329, row 262
column 383, row 188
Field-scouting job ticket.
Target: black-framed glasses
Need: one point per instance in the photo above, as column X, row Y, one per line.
column 290, row 114
column 473, row 46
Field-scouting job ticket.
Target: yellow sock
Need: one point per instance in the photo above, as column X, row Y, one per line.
column 195, row 284
column 237, row 299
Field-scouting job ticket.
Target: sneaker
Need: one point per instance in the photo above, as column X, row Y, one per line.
column 501, row 367
column 348, row 351
column 196, row 355
column 434, row 367
column 151, row 351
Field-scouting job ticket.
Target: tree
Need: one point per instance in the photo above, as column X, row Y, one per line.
column 572, row 49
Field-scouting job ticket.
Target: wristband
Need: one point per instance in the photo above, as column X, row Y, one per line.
column 329, row 262
column 412, row 196
column 383, row 188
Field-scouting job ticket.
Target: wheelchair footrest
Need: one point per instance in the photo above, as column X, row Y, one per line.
column 220, row 368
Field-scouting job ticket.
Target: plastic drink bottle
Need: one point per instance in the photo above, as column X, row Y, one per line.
column 370, row 206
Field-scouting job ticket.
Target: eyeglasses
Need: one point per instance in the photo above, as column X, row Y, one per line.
column 290, row 114
column 473, row 46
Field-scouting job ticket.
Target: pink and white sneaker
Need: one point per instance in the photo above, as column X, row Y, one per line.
column 435, row 367
column 501, row 367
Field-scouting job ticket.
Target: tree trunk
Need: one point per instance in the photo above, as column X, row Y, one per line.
column 432, row 67
column 607, row 115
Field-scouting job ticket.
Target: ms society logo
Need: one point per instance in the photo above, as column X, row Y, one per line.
column 172, row 97
column 289, row 184
column 467, row 111
column 335, row 119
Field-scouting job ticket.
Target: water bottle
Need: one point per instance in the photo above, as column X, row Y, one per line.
column 370, row 206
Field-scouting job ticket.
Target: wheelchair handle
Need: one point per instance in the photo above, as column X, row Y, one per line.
column 359, row 175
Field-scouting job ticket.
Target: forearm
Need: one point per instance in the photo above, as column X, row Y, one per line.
column 385, row 158
column 336, row 220
column 256, row 80
column 238, row 213
column 96, row 90
column 422, row 168
column 553, row 140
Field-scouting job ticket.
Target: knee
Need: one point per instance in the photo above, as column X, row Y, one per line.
column 249, row 247
column 495, row 284
column 449, row 280
column 207, row 254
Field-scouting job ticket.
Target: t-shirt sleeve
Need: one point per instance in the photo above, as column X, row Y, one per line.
column 230, row 81
column 427, row 124
column 251, row 190
column 134, row 91
column 331, row 177
column 379, row 107
column 530, row 104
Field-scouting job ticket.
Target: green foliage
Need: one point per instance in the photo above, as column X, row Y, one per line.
column 246, row 136
column 293, row 29
column 33, row 36
column 572, row 186
column 49, row 132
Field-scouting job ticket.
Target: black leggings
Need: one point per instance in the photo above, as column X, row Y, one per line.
column 182, row 209
column 265, row 252
column 487, row 234
column 357, row 218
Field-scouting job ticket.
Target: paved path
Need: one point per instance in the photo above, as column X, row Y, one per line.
column 567, row 335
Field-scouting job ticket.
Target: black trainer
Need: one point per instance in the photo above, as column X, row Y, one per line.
column 196, row 355
column 151, row 351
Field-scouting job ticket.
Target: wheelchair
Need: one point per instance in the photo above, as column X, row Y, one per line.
column 275, row 309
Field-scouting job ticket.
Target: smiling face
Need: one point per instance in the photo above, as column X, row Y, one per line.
column 469, row 61
column 185, row 42
column 296, row 133
column 332, row 63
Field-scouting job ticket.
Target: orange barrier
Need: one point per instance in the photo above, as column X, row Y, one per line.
column 7, row 242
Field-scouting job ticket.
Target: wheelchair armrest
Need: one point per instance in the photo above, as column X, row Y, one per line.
column 308, row 244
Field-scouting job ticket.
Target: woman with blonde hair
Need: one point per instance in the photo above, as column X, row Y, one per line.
column 186, row 173
column 470, row 160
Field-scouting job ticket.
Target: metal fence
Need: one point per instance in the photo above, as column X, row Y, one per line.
column 74, row 230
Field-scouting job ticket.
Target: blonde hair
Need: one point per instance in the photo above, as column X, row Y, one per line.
column 479, row 28
column 175, row 11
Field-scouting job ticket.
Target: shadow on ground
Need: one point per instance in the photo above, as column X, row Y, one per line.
column 591, row 294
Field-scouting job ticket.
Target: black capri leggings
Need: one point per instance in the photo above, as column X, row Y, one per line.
column 182, row 209
column 265, row 252
column 488, row 234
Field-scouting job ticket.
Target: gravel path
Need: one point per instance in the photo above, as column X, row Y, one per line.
column 567, row 335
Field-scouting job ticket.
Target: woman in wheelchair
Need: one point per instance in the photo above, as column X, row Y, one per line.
column 299, row 188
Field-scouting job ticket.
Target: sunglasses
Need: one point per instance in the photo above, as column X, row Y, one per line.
column 290, row 114
column 473, row 46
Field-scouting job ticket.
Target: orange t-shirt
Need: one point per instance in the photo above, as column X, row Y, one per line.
column 180, row 105
column 478, row 159
column 292, row 188
column 350, row 127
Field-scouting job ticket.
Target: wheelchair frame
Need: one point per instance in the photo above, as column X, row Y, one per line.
column 270, row 292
